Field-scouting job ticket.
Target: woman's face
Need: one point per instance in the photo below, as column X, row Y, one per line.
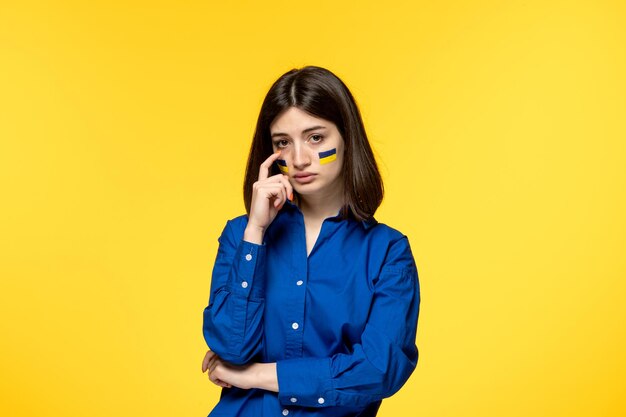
column 312, row 151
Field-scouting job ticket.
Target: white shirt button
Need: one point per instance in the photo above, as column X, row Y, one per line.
column 285, row 412
column 320, row 400
column 299, row 283
column 295, row 326
column 244, row 284
column 248, row 257
column 293, row 399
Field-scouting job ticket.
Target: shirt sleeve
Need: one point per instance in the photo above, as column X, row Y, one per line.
column 381, row 363
column 233, row 319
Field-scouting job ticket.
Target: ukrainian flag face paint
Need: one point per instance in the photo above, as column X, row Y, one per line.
column 328, row 156
column 282, row 165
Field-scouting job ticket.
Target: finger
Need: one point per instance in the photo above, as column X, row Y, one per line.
column 213, row 363
column 288, row 186
column 275, row 192
column 282, row 179
column 281, row 198
column 222, row 384
column 219, row 383
column 264, row 169
column 209, row 366
column 207, row 358
column 215, row 377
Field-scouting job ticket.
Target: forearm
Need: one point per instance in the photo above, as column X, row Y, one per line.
column 264, row 376
column 254, row 234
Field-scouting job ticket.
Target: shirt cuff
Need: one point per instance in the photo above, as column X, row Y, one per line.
column 305, row 382
column 249, row 265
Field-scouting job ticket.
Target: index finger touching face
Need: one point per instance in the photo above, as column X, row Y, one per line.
column 264, row 170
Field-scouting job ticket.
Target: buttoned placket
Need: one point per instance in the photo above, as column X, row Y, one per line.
column 294, row 281
column 300, row 238
column 296, row 293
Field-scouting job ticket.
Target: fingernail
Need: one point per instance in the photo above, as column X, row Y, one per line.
column 291, row 197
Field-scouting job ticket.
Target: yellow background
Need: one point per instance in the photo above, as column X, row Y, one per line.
column 500, row 130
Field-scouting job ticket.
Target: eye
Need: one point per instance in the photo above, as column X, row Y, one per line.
column 316, row 138
column 280, row 144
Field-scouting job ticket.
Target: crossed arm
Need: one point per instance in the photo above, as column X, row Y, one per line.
column 254, row 375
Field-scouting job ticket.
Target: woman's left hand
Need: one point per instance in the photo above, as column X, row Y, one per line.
column 252, row 375
column 224, row 374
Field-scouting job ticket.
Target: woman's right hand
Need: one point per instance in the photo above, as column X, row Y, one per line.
column 269, row 194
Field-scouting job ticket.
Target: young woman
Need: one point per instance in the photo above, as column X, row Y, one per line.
column 314, row 305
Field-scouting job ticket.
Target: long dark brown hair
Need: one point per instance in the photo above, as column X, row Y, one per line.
column 322, row 94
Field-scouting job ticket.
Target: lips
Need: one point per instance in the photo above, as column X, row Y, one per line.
column 304, row 177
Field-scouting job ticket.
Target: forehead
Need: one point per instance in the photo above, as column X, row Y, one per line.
column 294, row 120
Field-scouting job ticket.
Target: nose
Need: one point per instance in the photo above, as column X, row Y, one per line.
column 301, row 156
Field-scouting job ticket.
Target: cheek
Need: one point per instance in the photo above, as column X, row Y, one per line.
column 328, row 157
column 284, row 161
column 282, row 166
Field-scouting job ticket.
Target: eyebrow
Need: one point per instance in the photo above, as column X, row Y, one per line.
column 308, row 129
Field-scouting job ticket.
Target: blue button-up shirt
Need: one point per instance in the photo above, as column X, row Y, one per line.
column 340, row 323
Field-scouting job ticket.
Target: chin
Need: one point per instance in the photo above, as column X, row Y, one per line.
column 309, row 189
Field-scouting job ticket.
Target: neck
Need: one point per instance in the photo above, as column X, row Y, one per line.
column 321, row 206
